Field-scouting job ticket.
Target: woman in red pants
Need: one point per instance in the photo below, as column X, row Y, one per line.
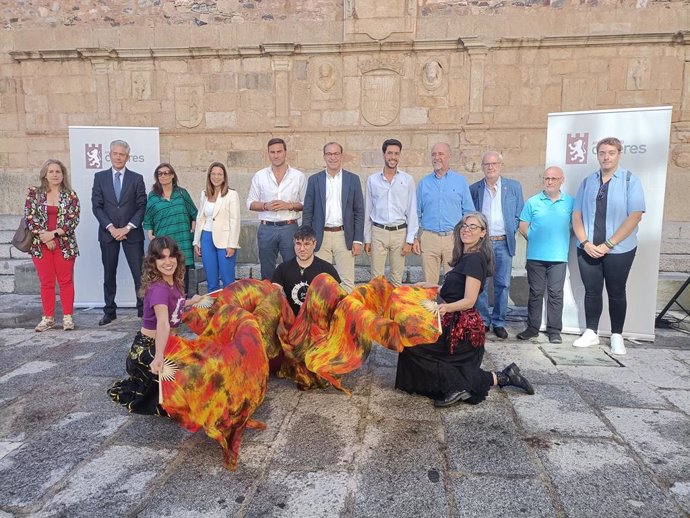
column 52, row 214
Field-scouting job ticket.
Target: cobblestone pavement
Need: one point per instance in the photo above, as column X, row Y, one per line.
column 603, row 436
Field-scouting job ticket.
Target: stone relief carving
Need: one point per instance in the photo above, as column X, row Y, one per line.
column 432, row 75
column 380, row 96
column 189, row 105
column 141, row 86
column 325, row 79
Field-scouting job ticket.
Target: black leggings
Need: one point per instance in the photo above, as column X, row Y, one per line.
column 612, row 269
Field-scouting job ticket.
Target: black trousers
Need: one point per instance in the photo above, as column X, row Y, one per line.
column 110, row 254
column 545, row 277
column 613, row 270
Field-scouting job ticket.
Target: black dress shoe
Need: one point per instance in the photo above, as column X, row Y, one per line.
column 527, row 334
column 501, row 332
column 510, row 376
column 106, row 320
column 452, row 398
column 486, row 329
column 555, row 338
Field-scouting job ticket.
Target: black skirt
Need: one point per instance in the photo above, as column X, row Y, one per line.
column 430, row 370
column 139, row 392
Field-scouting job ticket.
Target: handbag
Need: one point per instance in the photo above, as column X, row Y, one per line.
column 23, row 237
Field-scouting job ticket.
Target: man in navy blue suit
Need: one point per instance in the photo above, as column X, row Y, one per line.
column 118, row 200
column 334, row 208
column 500, row 200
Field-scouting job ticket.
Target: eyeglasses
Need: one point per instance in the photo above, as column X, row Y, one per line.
column 165, row 173
column 470, row 227
column 552, row 179
column 491, row 164
column 332, row 155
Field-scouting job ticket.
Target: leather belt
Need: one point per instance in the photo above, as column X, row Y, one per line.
column 497, row 238
column 442, row 234
column 389, row 227
column 278, row 223
column 333, row 229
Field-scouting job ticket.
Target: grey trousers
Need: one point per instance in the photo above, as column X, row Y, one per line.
column 545, row 277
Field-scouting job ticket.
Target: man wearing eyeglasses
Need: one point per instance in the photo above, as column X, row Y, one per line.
column 443, row 198
column 334, row 208
column 545, row 223
column 500, row 200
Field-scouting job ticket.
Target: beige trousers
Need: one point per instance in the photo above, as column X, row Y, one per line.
column 437, row 251
column 334, row 250
column 388, row 243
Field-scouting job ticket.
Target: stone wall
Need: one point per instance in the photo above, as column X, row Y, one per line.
column 221, row 78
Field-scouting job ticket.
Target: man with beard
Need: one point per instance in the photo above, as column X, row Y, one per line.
column 390, row 216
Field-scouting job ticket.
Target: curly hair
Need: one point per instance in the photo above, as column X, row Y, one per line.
column 483, row 247
column 149, row 272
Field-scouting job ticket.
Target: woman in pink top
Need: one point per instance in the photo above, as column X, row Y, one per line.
column 162, row 288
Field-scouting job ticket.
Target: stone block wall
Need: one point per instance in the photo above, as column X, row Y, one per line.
column 221, row 78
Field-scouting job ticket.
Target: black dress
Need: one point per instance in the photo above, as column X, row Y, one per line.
column 433, row 370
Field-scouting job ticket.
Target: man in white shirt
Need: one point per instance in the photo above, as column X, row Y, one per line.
column 500, row 200
column 277, row 194
column 390, row 216
column 334, row 208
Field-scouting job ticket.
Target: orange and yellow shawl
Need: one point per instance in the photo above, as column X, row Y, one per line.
column 218, row 380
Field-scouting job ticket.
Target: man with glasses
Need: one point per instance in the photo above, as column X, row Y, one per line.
column 545, row 223
column 500, row 200
column 295, row 275
column 390, row 216
column 276, row 193
column 118, row 200
column 443, row 198
column 334, row 208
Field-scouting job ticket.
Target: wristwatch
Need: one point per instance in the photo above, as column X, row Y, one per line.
column 56, row 235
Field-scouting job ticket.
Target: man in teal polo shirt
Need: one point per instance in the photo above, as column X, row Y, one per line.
column 545, row 223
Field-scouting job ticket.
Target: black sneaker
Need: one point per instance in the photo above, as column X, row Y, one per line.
column 555, row 338
column 527, row 334
column 501, row 332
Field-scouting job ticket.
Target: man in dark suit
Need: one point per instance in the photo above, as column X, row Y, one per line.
column 500, row 200
column 334, row 208
column 118, row 200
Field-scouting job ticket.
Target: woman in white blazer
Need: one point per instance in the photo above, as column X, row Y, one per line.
column 217, row 233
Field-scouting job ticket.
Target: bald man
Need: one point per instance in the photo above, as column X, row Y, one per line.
column 443, row 197
column 545, row 222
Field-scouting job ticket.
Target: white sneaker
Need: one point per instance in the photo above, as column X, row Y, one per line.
column 45, row 324
column 587, row 339
column 617, row 344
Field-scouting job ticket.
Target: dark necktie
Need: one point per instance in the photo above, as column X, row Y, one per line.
column 118, row 185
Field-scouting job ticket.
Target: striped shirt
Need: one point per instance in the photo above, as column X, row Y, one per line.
column 172, row 218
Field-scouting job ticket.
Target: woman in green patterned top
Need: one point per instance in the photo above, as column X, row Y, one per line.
column 170, row 211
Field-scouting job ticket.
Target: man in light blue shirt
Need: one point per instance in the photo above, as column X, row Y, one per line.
column 443, row 198
column 545, row 223
column 390, row 215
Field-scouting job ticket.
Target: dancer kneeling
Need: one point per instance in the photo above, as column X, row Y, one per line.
column 449, row 370
column 162, row 288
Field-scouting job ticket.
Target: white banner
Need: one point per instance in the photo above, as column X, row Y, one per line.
column 571, row 144
column 89, row 153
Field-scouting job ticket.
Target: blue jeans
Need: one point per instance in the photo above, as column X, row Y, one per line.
column 216, row 263
column 271, row 240
column 503, row 266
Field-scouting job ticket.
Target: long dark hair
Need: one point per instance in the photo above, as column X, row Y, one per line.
column 483, row 247
column 149, row 272
column 210, row 189
column 157, row 187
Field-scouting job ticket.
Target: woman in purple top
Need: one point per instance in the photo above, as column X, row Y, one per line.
column 162, row 288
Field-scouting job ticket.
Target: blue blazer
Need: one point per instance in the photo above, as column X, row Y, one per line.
column 511, row 205
column 130, row 209
column 314, row 213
